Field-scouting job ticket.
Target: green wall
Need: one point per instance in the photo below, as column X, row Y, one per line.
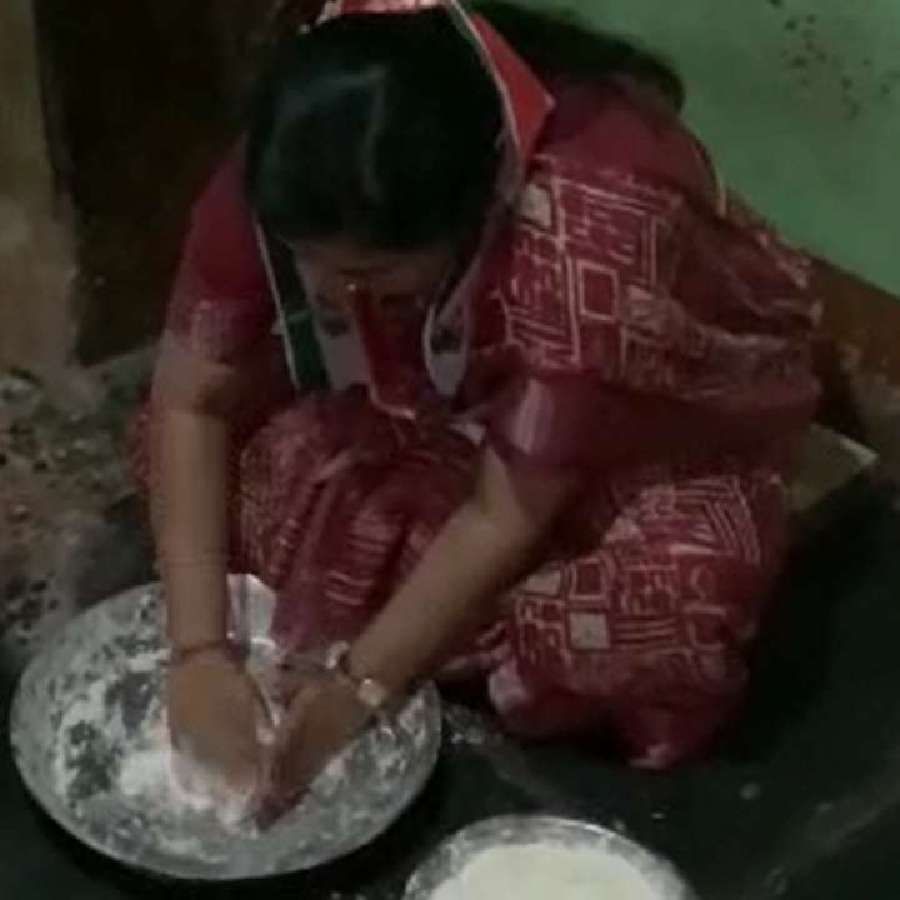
column 799, row 101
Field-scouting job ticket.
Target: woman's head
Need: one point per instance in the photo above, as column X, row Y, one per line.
column 381, row 132
column 374, row 145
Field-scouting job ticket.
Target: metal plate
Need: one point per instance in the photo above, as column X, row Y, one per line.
column 455, row 854
column 89, row 701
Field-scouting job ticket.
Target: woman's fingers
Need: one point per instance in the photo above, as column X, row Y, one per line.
column 322, row 718
column 281, row 770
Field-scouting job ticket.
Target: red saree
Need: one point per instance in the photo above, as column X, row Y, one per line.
column 624, row 321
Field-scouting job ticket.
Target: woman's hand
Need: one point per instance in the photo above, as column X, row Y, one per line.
column 214, row 708
column 323, row 717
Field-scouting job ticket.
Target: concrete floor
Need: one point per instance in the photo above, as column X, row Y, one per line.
column 71, row 529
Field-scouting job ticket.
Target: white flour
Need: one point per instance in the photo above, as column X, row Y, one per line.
column 152, row 776
column 91, row 738
column 89, row 707
column 542, row 871
column 156, row 779
column 89, row 718
column 155, row 776
column 161, row 776
column 165, row 798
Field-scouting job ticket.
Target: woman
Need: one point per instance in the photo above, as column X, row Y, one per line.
column 544, row 383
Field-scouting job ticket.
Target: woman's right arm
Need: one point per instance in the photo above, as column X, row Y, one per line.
column 189, row 514
column 190, row 444
column 212, row 702
column 213, row 369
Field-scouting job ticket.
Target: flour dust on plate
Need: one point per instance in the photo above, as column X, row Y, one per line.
column 157, row 774
column 90, row 739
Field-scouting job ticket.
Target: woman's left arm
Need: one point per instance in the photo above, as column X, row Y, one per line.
column 485, row 547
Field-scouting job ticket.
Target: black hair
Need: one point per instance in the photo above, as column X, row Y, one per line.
column 385, row 128
column 557, row 45
column 382, row 128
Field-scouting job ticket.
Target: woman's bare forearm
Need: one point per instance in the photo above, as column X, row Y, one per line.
column 486, row 546
column 189, row 496
column 448, row 594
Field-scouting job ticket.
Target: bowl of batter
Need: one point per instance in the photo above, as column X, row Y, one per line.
column 541, row 857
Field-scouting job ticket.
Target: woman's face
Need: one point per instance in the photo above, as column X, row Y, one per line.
column 339, row 271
